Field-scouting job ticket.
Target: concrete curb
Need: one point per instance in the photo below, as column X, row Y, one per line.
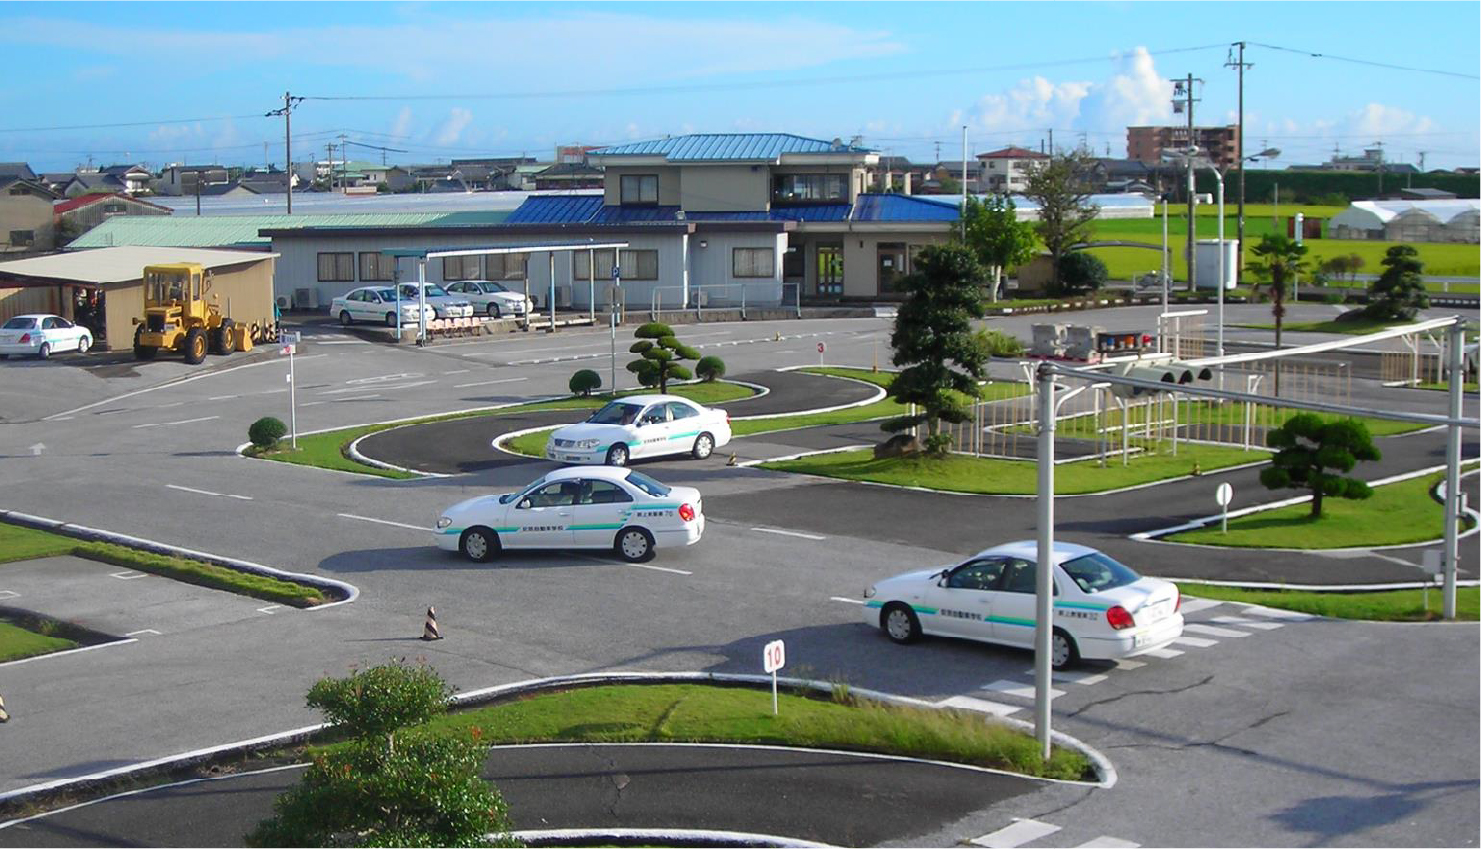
column 347, row 592
column 656, row 837
column 880, row 394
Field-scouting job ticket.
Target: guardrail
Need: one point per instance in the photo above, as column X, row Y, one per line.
column 700, row 295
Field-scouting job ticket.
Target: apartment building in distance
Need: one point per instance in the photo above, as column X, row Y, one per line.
column 1219, row 144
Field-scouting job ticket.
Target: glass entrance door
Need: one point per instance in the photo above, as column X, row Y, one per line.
column 830, row 271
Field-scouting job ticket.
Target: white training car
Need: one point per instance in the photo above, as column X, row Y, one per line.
column 41, row 335
column 445, row 305
column 492, row 299
column 375, row 303
column 579, row 507
column 641, row 426
column 1102, row 609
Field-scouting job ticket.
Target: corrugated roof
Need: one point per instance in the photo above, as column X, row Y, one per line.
column 120, row 264
column 901, row 208
column 718, row 147
column 812, row 212
column 556, row 209
column 634, row 214
column 242, row 230
column 86, row 200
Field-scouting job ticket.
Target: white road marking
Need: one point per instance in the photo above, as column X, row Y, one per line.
column 128, row 575
column 269, row 609
column 379, row 387
column 1165, row 654
column 57, row 654
column 222, row 397
column 1020, row 832
column 788, row 533
column 169, row 424
column 351, row 398
column 1277, row 613
column 340, row 342
column 1196, row 642
column 1085, row 678
column 1213, row 631
column 1193, row 605
column 660, row 568
column 847, row 600
column 979, row 705
column 169, row 385
column 312, row 403
column 1123, row 663
column 458, row 371
column 490, row 382
column 384, row 522
column 1019, row 689
column 9, row 594
column 1248, row 623
column 1104, row 842
column 208, row 492
column 62, row 419
column 143, row 631
column 168, row 406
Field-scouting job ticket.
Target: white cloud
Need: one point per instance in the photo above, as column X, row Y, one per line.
column 401, row 128
column 1377, row 120
column 451, row 129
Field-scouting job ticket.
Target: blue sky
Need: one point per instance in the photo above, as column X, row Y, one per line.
column 468, row 79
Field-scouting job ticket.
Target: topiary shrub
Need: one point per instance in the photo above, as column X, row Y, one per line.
column 710, row 368
column 266, row 431
column 584, row 381
column 1081, row 272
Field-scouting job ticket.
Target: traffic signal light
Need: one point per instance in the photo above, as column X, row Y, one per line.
column 1171, row 374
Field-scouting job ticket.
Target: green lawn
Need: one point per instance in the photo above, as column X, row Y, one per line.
column 670, row 713
column 1351, row 327
column 1209, row 420
column 1387, row 606
column 327, row 450
column 17, row 642
column 1470, row 386
column 1396, row 514
column 960, row 473
column 20, row 543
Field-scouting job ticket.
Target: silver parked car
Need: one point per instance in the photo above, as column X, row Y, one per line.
column 444, row 304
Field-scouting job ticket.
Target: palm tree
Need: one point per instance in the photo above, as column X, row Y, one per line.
column 1279, row 261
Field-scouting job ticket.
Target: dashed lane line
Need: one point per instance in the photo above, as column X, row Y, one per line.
column 208, row 492
column 383, row 522
column 781, row 532
column 171, row 424
column 143, row 631
column 490, row 382
column 167, row 385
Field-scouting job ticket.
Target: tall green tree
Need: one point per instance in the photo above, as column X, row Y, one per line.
column 1061, row 188
column 1314, row 454
column 659, row 354
column 1398, row 293
column 1278, row 260
column 392, row 784
column 997, row 238
column 940, row 357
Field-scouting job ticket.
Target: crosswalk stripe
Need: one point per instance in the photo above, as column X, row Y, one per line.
column 1248, row 623
column 1123, row 663
column 1085, row 678
column 1196, row 642
column 1276, row 613
column 979, row 705
column 1104, row 842
column 1019, row 689
column 1017, row 834
column 1193, row 605
column 1165, row 654
column 1213, row 631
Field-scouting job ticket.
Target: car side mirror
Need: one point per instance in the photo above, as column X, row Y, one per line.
column 523, row 505
column 941, row 582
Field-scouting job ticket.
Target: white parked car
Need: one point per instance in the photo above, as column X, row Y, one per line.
column 1102, row 609
column 377, row 304
column 494, row 300
column 41, row 335
column 446, row 306
column 579, row 507
column 641, row 426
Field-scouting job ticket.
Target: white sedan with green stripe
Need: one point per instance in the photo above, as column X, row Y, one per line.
column 641, row 426
column 1102, row 609
column 577, row 507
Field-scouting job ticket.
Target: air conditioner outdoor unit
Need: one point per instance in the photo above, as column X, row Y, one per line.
column 283, row 302
column 306, row 299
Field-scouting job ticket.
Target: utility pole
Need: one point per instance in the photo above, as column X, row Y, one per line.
column 287, row 112
column 1379, row 146
column 329, row 163
column 1183, row 101
column 1421, row 159
column 344, row 165
column 266, row 165
column 963, row 214
column 1240, row 64
column 1051, row 141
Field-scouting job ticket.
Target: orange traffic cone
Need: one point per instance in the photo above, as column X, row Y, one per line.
column 430, row 632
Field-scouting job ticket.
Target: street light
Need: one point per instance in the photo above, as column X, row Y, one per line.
column 1191, row 157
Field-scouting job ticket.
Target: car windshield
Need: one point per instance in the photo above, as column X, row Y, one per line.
column 495, row 287
column 433, row 291
column 617, row 412
column 385, row 294
column 20, row 322
column 1096, row 572
column 647, row 484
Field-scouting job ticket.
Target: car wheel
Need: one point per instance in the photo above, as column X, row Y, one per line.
column 195, row 346
column 345, row 319
column 617, row 455
column 44, row 352
column 494, row 311
column 1062, row 650
column 479, row 544
column 899, row 623
column 390, row 319
column 635, row 545
column 704, row 446
column 228, row 339
column 83, row 343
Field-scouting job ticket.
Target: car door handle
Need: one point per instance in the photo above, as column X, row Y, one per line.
column 564, row 513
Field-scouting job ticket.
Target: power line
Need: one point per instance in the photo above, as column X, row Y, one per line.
column 127, row 124
column 1387, row 65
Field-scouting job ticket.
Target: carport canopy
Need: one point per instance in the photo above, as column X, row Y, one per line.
column 421, row 255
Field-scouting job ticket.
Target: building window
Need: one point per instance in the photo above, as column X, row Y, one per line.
column 507, row 266
column 337, row 267
column 753, row 262
column 794, row 263
column 22, row 238
column 893, row 264
column 639, row 189
column 809, row 188
column 375, row 266
column 462, row 268
column 636, row 265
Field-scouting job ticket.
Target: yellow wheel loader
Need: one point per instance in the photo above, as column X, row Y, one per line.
column 179, row 318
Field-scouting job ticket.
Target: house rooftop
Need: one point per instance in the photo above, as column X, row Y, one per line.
column 1013, row 153
column 728, row 147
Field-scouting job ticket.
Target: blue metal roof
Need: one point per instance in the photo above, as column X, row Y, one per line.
column 718, row 147
column 556, row 209
column 901, row 208
column 812, row 212
column 634, row 214
column 730, row 215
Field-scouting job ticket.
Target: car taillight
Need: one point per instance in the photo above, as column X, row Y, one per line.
column 25, row 338
column 1118, row 618
column 1177, row 601
column 686, row 512
column 727, row 417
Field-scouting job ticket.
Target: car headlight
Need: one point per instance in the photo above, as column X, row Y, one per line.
column 443, row 522
column 588, row 444
column 869, row 593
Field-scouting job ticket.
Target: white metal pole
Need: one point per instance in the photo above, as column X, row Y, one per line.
column 421, row 302
column 1166, row 266
column 292, row 396
column 1452, row 464
column 1043, row 587
column 396, row 284
column 551, row 329
column 1220, row 178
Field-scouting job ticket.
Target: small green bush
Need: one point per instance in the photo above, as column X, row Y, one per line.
column 999, row 344
column 710, row 368
column 584, row 381
column 266, row 431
